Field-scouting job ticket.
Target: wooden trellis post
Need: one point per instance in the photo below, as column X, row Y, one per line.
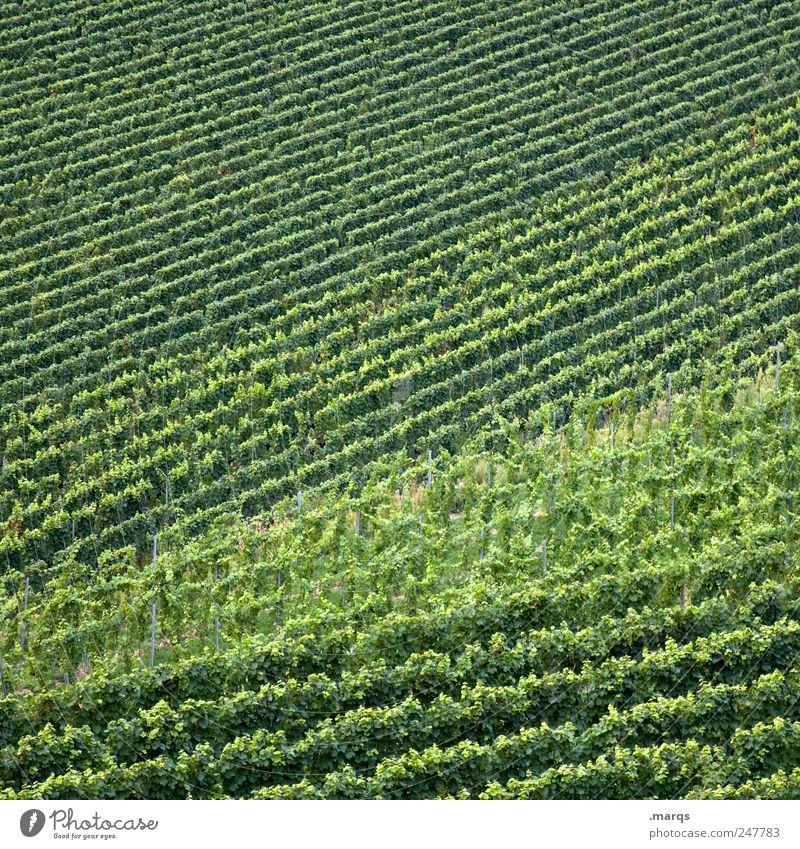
column 778, row 365
column 299, row 501
column 544, row 558
column 430, row 469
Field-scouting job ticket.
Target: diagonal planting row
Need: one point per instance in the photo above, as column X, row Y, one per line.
column 283, row 463
column 75, row 613
column 266, row 757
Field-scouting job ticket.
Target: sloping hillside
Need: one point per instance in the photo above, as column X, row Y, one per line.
column 399, row 400
column 251, row 249
column 604, row 612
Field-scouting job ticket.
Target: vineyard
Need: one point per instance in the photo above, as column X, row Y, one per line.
column 611, row 610
column 399, row 400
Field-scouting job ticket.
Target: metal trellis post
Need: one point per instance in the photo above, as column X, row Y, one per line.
column 24, row 637
column 153, row 608
column 669, row 399
column 216, row 619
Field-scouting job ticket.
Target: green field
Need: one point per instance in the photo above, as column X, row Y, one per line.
column 412, row 386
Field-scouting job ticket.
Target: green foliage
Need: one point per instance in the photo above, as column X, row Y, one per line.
column 649, row 661
column 246, row 256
